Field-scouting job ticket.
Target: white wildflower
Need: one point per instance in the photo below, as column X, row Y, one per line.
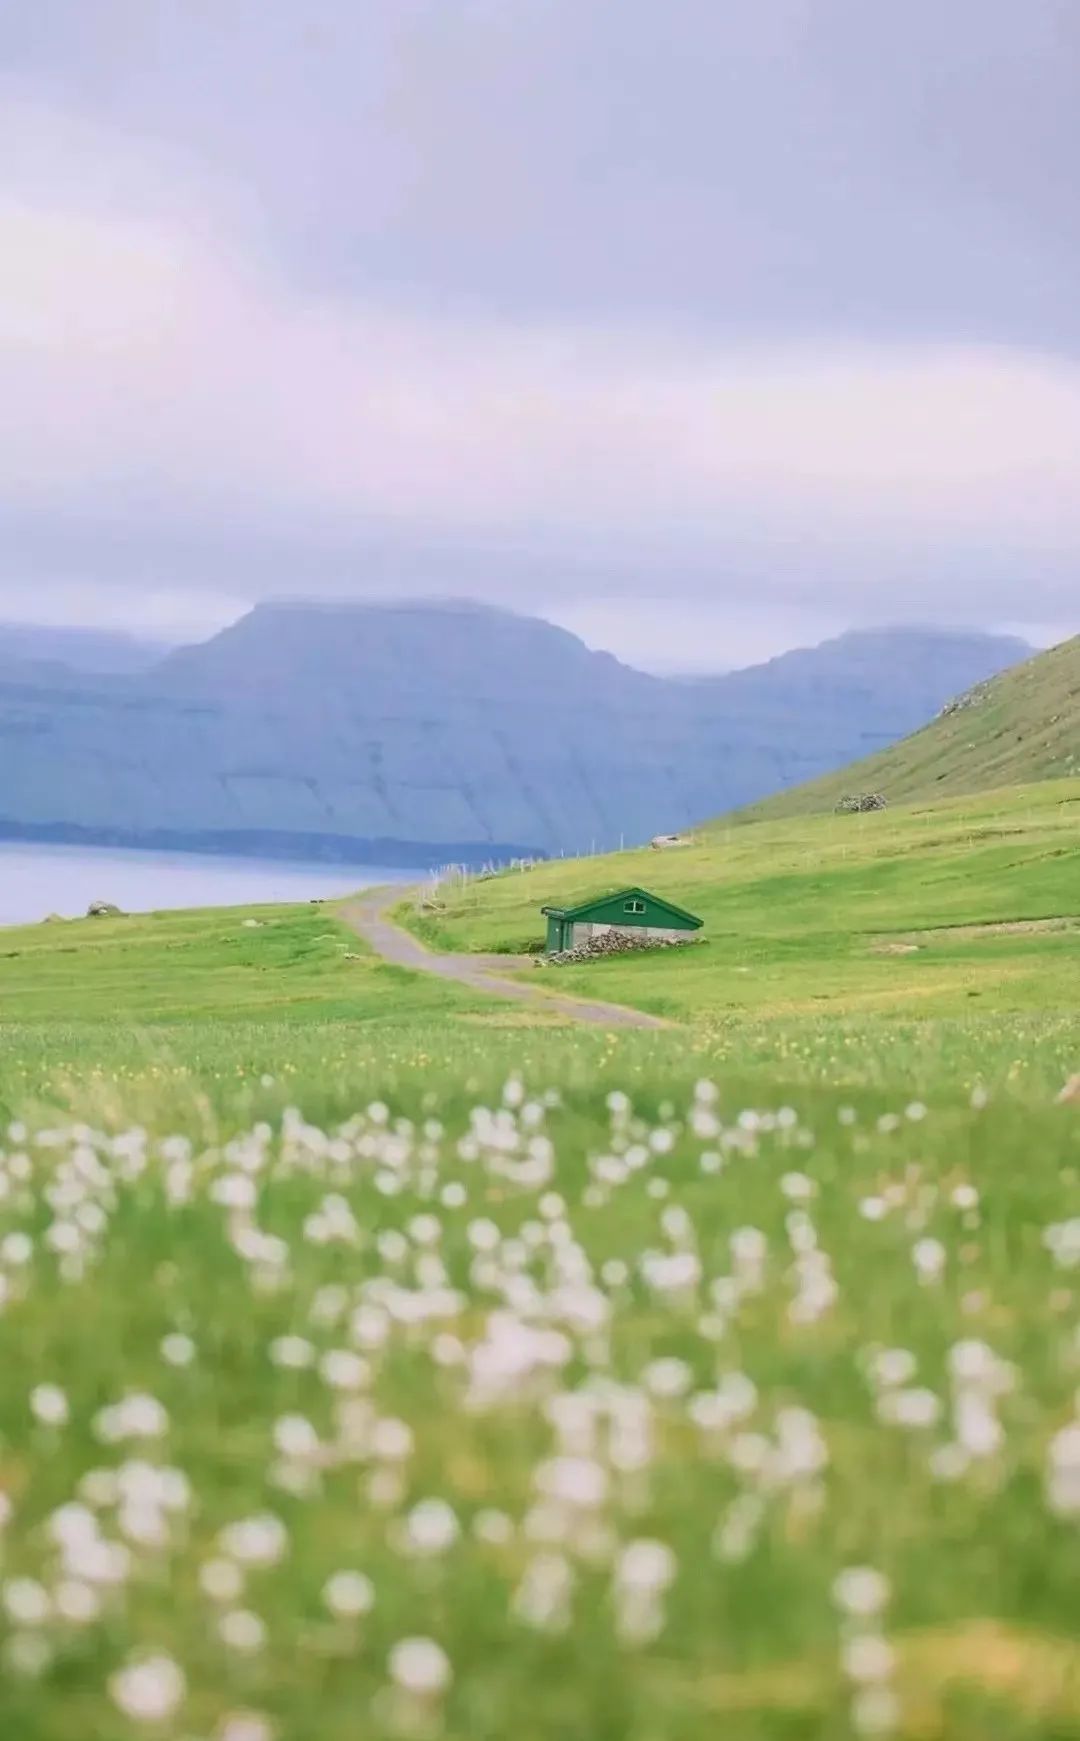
column 420, row 1667
column 49, row 1405
column 76, row 1602
column 917, row 1407
column 645, row 1565
column 575, row 1481
column 149, row 1689
column 242, row 1631
column 221, row 1580
column 27, row 1653
column 860, row 1591
column 255, row 1541
column 244, row 1726
column 493, row 1527
column 668, row 1378
column 294, row 1436
column 892, row 1366
column 292, row 1352
column 341, row 1369
column 735, row 1536
column 26, row 1602
column 797, row 1187
column 430, row 1528
column 929, row 1257
column 867, row 1657
column 391, row 1440
column 136, row 1417
column 973, row 1364
column 177, row 1349
column 949, row 1462
column 978, row 1430
column 348, row 1594
column 234, row 1191
column 543, row 1597
column 1063, row 1471
column 642, row 1573
column 875, row 1710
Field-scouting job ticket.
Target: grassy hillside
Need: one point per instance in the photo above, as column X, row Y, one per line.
column 917, row 912
column 1019, row 727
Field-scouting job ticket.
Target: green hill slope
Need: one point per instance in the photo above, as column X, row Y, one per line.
column 1019, row 727
column 915, row 912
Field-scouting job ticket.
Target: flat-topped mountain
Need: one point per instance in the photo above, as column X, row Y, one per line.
column 417, row 733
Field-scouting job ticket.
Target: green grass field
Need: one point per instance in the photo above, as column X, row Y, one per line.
column 966, row 908
column 382, row 1360
column 283, row 963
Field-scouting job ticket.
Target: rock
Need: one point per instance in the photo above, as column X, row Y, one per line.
column 53, row 919
column 971, row 698
column 103, row 910
column 852, row 805
column 616, row 943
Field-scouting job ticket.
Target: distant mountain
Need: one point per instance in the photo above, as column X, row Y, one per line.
column 1023, row 725
column 817, row 708
column 417, row 733
column 99, row 651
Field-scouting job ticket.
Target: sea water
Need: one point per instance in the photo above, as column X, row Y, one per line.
column 37, row 880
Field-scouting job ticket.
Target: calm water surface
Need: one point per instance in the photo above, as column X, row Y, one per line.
column 35, row 880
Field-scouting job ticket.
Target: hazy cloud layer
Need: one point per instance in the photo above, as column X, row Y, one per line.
column 763, row 311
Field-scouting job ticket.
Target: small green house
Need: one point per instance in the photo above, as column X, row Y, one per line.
column 625, row 910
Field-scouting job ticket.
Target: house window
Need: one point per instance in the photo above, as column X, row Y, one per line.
column 633, row 906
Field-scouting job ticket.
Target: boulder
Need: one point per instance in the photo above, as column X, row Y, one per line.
column 103, row 910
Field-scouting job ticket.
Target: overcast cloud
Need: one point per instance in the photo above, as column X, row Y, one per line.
column 705, row 328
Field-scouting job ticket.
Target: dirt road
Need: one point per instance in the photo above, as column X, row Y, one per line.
column 369, row 916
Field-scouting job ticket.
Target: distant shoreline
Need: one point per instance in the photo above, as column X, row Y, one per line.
column 279, row 845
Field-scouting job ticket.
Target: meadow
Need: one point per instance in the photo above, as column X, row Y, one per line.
column 379, row 1359
column 912, row 912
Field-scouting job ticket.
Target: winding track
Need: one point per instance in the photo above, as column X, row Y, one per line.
column 369, row 916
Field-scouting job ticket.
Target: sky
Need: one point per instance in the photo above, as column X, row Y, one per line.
column 706, row 329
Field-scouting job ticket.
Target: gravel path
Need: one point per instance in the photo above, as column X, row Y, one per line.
column 369, row 916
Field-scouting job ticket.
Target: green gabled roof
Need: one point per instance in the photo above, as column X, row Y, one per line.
column 582, row 910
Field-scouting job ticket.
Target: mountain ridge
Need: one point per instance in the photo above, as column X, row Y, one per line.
column 421, row 733
column 94, row 652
